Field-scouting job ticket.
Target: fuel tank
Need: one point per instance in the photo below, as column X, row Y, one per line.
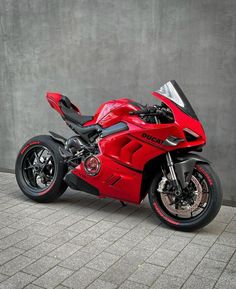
column 113, row 111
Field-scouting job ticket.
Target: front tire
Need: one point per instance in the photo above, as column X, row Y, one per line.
column 208, row 184
column 40, row 169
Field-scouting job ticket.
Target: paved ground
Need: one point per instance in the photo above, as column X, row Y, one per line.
column 83, row 242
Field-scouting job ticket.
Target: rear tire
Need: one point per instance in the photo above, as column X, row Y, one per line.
column 37, row 183
column 209, row 212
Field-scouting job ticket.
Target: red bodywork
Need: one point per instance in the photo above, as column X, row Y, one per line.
column 123, row 155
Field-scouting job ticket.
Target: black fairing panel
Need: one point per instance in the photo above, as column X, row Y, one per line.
column 184, row 166
column 77, row 183
column 121, row 126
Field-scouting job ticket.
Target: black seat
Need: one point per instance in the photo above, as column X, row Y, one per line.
column 71, row 114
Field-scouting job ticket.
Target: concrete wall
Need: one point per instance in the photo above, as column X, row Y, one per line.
column 95, row 50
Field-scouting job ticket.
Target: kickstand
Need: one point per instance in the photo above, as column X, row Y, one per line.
column 123, row 204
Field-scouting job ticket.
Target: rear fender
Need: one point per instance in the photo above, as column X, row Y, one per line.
column 58, row 138
column 184, row 167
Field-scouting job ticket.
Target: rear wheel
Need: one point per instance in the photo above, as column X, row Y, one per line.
column 40, row 169
column 196, row 207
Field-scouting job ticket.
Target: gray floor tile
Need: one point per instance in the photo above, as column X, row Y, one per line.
column 53, row 277
column 146, row 274
column 162, row 257
column 133, row 285
column 228, row 239
column 8, row 254
column 64, row 251
column 227, row 280
column 210, row 269
column 103, row 261
column 17, row 281
column 82, row 278
column 220, row 252
column 168, row 282
column 15, row 265
column 186, row 261
column 99, row 284
column 197, row 282
column 41, row 266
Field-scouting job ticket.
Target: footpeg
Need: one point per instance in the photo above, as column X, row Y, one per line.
column 65, row 153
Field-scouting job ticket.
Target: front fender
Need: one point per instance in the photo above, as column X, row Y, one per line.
column 184, row 166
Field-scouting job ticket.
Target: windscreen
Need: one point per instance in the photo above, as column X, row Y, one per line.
column 172, row 91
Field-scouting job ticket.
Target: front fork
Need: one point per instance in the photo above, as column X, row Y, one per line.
column 174, row 179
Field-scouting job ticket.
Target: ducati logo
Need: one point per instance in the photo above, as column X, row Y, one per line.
column 152, row 138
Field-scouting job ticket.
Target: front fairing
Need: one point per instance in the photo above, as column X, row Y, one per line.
column 184, row 121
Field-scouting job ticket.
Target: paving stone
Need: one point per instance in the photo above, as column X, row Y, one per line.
column 96, row 246
column 101, row 227
column 70, row 220
column 84, row 238
column 186, row 261
column 103, row 261
column 81, row 226
column 135, row 218
column 146, row 274
column 232, row 263
column 4, row 232
column 32, row 286
column 3, row 277
column 168, row 282
column 132, row 285
column 62, row 237
column 220, row 252
column 60, row 287
column 121, row 213
column 53, row 277
column 42, row 213
column 197, row 282
column 82, row 278
column 162, row 231
column 231, row 227
column 41, row 266
column 17, row 281
column 105, row 211
column 99, row 284
column 77, row 260
column 227, row 280
column 228, row 239
column 15, row 265
column 12, row 239
column 176, row 243
column 208, row 235
column 162, row 257
column 119, row 272
column 114, row 234
column 54, row 217
column 40, row 250
column 121, row 247
column 186, row 234
column 64, row 251
column 52, row 230
column 30, row 242
column 211, row 269
column 8, row 254
column 35, row 228
column 225, row 214
column 152, row 242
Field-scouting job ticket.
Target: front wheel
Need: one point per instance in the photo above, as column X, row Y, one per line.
column 40, row 169
column 196, row 207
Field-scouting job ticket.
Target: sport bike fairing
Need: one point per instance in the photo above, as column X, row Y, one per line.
column 123, row 155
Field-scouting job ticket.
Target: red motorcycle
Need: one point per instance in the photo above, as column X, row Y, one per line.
column 126, row 151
